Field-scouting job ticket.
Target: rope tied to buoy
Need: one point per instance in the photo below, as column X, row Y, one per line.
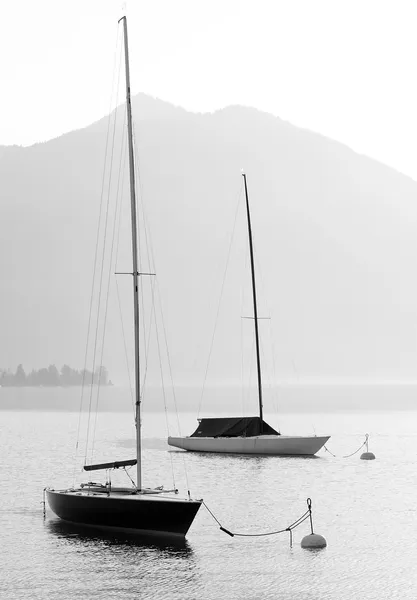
column 365, row 443
column 296, row 523
column 327, row 450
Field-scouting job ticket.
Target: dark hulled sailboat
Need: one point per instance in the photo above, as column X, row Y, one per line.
column 138, row 509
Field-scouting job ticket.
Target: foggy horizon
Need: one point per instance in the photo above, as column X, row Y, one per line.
column 334, row 244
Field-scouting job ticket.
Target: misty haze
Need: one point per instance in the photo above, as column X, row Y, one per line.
column 334, row 236
column 208, row 357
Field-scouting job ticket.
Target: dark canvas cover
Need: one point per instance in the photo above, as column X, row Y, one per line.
column 233, row 427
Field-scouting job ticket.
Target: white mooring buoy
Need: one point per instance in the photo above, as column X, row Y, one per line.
column 367, row 455
column 312, row 541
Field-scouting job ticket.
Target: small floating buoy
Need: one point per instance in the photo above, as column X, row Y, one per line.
column 367, row 455
column 312, row 541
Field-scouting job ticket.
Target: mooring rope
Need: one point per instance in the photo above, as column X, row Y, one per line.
column 360, row 447
column 327, row 450
column 289, row 528
column 353, row 453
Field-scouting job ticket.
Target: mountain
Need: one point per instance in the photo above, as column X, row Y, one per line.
column 334, row 233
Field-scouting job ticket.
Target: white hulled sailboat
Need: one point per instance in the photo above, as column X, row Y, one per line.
column 247, row 435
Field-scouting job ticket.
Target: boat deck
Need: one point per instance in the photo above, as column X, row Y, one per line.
column 121, row 493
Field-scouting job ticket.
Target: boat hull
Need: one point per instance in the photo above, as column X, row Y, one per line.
column 142, row 513
column 274, row 445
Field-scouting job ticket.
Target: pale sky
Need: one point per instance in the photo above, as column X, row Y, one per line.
column 346, row 69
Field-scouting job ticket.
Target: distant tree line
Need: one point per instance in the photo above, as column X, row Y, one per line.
column 52, row 377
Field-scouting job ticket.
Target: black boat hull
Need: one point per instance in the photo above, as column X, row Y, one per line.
column 142, row 513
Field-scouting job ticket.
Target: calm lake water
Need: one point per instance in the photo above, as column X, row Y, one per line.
column 365, row 510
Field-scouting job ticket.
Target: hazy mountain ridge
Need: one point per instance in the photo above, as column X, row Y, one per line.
column 334, row 231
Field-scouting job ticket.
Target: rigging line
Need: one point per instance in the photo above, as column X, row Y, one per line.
column 138, row 189
column 148, row 258
column 163, row 387
column 251, row 364
column 242, row 365
column 125, row 348
column 109, row 279
column 138, row 171
column 274, row 370
column 119, row 219
column 96, row 250
column 128, row 474
column 101, row 288
column 102, row 261
column 267, row 382
column 146, row 335
column 244, row 390
column 242, row 354
column 143, row 236
column 117, row 210
column 151, row 259
column 274, row 385
column 239, row 196
column 252, row 352
column 168, row 355
column 172, row 381
column 170, row 375
column 151, row 269
column 146, row 228
column 265, row 296
column 153, row 316
column 146, row 343
column 146, row 338
column 152, row 264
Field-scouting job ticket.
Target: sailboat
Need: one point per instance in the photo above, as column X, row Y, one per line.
column 135, row 509
column 247, row 435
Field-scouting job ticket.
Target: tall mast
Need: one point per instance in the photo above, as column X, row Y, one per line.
column 255, row 308
column 134, row 256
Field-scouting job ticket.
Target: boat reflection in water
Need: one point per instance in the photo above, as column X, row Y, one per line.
column 85, row 535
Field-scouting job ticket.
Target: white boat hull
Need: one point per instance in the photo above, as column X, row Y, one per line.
column 274, row 445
